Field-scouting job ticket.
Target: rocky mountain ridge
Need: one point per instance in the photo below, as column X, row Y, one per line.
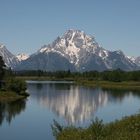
column 75, row 51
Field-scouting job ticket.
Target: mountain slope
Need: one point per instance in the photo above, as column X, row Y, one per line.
column 48, row 62
column 137, row 61
column 9, row 59
column 117, row 59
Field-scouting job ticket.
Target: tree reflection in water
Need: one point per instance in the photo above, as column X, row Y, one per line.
column 9, row 110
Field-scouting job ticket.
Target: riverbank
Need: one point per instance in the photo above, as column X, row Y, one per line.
column 9, row 96
column 126, row 129
column 125, row 85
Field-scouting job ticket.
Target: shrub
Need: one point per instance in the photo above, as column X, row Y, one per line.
column 16, row 85
column 96, row 129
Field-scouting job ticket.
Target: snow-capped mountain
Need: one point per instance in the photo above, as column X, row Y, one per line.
column 9, row 59
column 78, row 51
column 71, row 45
column 22, row 57
column 75, row 51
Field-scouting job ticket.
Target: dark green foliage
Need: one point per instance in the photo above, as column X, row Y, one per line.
column 97, row 129
column 113, row 76
column 2, row 65
column 8, row 73
column 16, row 85
column 9, row 83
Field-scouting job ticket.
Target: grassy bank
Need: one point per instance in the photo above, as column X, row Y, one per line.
column 126, row 85
column 126, row 129
column 9, row 96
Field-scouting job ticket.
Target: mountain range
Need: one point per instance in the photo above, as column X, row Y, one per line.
column 74, row 51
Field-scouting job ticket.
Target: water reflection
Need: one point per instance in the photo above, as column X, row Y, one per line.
column 120, row 95
column 75, row 103
column 9, row 110
column 66, row 103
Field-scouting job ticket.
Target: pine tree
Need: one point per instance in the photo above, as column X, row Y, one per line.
column 2, row 65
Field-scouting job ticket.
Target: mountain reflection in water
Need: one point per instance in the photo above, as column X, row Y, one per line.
column 74, row 103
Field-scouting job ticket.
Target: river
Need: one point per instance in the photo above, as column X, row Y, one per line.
column 65, row 102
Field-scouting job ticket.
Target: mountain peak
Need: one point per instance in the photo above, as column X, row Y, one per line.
column 78, row 38
column 73, row 39
column 9, row 59
column 2, row 46
column 74, row 31
column 77, row 33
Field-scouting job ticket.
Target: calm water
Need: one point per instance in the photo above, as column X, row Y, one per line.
column 67, row 103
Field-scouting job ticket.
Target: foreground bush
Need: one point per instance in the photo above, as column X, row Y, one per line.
column 126, row 129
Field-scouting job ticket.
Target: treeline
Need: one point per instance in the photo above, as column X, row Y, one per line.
column 115, row 75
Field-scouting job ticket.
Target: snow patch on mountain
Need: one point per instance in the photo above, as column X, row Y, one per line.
column 135, row 60
column 22, row 57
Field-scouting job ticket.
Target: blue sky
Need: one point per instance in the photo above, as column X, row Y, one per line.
column 26, row 25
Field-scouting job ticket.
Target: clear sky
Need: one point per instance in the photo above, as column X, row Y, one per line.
column 26, row 25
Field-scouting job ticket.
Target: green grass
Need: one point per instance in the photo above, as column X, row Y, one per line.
column 126, row 85
column 126, row 129
column 8, row 96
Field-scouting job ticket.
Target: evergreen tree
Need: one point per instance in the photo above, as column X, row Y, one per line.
column 2, row 65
